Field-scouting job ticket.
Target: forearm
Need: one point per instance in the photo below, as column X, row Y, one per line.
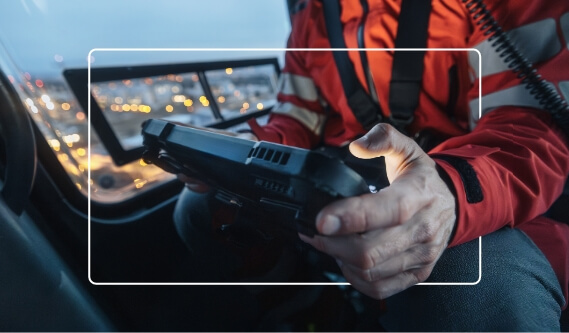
column 284, row 130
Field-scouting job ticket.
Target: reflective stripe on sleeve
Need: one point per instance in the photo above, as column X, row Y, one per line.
column 564, row 88
column 312, row 120
column 537, row 41
column 299, row 86
column 565, row 28
column 515, row 96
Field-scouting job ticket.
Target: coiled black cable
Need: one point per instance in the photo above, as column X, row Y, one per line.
column 546, row 95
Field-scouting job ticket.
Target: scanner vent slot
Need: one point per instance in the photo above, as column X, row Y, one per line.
column 270, row 155
column 272, row 186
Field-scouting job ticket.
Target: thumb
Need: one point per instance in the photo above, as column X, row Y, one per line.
column 384, row 140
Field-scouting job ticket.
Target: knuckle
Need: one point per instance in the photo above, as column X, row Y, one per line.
column 383, row 128
column 354, row 222
column 367, row 275
column 353, row 216
column 378, row 254
column 383, row 131
column 403, row 211
column 363, row 214
column 367, row 261
column 429, row 254
column 423, row 185
column 387, row 129
column 426, row 232
column 422, row 274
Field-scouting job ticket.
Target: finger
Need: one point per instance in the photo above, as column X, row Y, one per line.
column 417, row 257
column 382, row 140
column 364, row 251
column 387, row 251
column 384, row 288
column 419, row 242
column 399, row 150
column 423, row 241
column 391, row 206
column 346, row 248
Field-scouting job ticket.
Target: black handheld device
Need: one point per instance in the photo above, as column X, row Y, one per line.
column 286, row 181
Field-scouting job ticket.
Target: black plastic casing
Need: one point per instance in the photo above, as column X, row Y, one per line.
column 274, row 177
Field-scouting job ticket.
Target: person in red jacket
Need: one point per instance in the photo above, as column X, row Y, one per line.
column 493, row 176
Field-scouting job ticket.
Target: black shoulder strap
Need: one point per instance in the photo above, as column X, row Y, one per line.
column 366, row 111
column 407, row 70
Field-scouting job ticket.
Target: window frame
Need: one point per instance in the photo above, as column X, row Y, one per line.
column 76, row 78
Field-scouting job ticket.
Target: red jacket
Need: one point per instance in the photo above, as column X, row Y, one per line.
column 520, row 158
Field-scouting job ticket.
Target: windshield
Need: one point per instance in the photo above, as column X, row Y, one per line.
column 40, row 39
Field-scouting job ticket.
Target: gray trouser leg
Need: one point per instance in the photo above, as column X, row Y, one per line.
column 518, row 290
column 192, row 218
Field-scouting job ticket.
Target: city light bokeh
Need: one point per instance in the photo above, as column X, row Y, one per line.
column 38, row 78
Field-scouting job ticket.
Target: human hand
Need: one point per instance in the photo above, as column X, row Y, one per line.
column 388, row 241
column 199, row 186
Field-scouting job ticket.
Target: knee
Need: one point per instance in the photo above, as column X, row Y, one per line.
column 192, row 213
column 494, row 307
column 517, row 291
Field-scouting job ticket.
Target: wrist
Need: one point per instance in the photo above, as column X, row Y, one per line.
column 450, row 185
